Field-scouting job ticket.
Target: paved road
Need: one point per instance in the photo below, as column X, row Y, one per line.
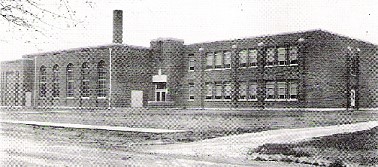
column 30, row 145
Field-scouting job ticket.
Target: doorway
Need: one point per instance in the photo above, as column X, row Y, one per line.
column 136, row 98
column 160, row 91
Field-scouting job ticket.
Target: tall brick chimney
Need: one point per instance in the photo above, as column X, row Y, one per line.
column 117, row 26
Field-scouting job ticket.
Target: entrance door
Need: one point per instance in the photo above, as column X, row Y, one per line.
column 352, row 98
column 160, row 91
column 136, row 98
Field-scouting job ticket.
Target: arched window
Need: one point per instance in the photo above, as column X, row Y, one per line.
column 42, row 81
column 55, row 88
column 101, row 83
column 85, row 91
column 70, row 80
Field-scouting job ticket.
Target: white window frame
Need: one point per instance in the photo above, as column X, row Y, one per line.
column 281, row 86
column 281, row 53
column 252, row 91
column 209, row 91
column 210, row 60
column 243, row 58
column 227, row 59
column 269, row 86
column 292, row 84
column 252, row 57
column 191, row 91
column 243, row 91
column 227, row 91
column 218, row 60
column 293, row 55
column 191, row 62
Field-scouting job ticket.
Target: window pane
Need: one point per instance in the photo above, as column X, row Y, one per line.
column 243, row 90
column 293, row 55
column 252, row 90
column 191, row 64
column 243, row 58
column 293, row 90
column 209, row 60
column 191, row 90
column 218, row 59
column 281, row 90
column 218, row 91
column 253, row 57
column 161, row 85
column 162, row 96
column 209, row 90
column 270, row 90
column 281, row 56
column 227, row 59
column 227, row 91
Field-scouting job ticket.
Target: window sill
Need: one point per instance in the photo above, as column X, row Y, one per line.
column 217, row 100
column 252, row 100
column 191, row 100
column 70, row 97
column 218, row 69
column 101, row 97
column 281, row 100
column 85, row 98
column 293, row 65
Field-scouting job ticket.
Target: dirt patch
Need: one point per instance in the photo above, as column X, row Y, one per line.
column 357, row 148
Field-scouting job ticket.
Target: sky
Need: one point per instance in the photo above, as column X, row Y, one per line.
column 90, row 22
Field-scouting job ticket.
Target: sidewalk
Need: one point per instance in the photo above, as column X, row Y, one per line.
column 235, row 148
column 80, row 126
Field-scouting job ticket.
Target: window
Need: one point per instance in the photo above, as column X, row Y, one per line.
column 293, row 90
column 191, row 62
column 70, row 80
column 293, row 55
column 243, row 90
column 218, row 91
column 191, row 91
column 209, row 60
column 270, row 52
column 252, row 91
column 252, row 58
column 85, row 91
column 218, row 59
column 281, row 56
column 42, row 81
column 281, row 90
column 56, row 91
column 243, row 58
column 227, row 59
column 209, row 91
column 269, row 90
column 227, row 91
column 101, row 83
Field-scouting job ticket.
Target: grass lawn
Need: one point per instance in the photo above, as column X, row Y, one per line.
column 204, row 124
column 352, row 149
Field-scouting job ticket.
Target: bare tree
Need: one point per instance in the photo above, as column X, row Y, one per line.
column 36, row 14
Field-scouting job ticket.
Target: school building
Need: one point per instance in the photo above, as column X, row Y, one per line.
column 311, row 69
